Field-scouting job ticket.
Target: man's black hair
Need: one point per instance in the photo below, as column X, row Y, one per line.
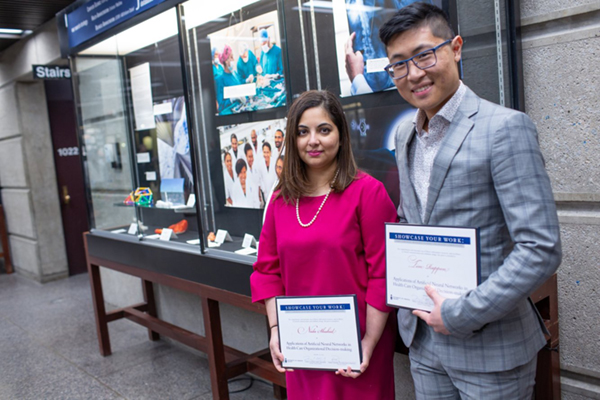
column 416, row 15
column 233, row 136
column 247, row 148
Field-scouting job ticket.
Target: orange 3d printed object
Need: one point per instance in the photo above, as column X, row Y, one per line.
column 179, row 227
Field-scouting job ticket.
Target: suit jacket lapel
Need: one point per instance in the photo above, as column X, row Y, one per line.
column 458, row 130
column 408, row 197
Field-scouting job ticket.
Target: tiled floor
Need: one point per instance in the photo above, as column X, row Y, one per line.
column 49, row 350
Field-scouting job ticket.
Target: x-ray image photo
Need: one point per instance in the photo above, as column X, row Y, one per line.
column 173, row 140
column 357, row 25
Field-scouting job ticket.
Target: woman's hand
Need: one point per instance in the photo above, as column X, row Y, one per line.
column 276, row 355
column 367, row 350
column 274, row 341
column 376, row 321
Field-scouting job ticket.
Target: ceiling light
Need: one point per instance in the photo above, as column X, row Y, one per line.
column 11, row 31
column 13, row 34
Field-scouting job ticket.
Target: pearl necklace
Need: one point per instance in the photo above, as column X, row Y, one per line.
column 320, row 207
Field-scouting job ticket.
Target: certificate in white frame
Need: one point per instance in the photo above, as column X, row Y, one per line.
column 444, row 257
column 319, row 332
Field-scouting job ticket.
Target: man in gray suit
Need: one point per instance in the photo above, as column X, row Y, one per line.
column 467, row 162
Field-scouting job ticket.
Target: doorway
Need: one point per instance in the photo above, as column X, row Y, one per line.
column 69, row 173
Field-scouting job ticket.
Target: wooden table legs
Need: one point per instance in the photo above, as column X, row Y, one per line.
column 148, row 290
column 216, row 353
column 5, row 253
column 99, row 310
column 225, row 362
column 547, row 380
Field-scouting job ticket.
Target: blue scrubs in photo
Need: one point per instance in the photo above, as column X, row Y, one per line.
column 217, row 70
column 225, row 79
column 245, row 69
column 271, row 61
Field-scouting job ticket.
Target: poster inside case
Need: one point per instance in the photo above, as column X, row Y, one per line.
column 373, row 133
column 251, row 159
column 248, row 68
column 356, row 24
column 172, row 137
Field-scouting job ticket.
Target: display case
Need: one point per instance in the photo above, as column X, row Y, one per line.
column 247, row 62
column 135, row 136
column 182, row 111
column 240, row 89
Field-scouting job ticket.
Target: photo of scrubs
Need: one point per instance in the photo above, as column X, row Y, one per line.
column 248, row 66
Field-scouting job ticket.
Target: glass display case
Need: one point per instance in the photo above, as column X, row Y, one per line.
column 247, row 62
column 183, row 113
column 240, row 90
column 135, row 136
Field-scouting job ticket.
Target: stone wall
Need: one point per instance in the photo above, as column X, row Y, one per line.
column 561, row 60
column 28, row 181
column 27, row 177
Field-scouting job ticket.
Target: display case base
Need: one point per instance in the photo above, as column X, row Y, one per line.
column 225, row 362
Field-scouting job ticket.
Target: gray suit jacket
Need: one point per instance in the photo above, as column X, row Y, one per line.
column 489, row 173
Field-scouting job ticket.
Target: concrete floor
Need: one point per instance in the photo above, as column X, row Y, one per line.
column 49, row 350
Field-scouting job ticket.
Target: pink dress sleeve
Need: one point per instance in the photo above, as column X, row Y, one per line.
column 375, row 209
column 265, row 281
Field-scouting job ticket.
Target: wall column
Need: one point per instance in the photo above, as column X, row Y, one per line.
column 28, row 181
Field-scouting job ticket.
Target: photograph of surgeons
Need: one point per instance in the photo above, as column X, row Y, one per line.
column 247, row 66
column 250, row 159
column 360, row 54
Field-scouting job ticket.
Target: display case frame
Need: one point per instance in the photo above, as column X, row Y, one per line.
column 171, row 127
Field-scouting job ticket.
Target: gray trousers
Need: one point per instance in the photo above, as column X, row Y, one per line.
column 434, row 381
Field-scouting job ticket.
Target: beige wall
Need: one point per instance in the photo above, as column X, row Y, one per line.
column 561, row 60
column 27, row 176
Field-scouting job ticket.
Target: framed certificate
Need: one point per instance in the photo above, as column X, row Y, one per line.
column 418, row 255
column 319, row 332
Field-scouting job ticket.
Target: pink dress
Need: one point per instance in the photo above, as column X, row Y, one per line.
column 342, row 252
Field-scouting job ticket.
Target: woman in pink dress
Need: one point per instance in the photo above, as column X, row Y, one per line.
column 324, row 235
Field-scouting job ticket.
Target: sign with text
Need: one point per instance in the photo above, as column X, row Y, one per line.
column 418, row 255
column 97, row 16
column 51, row 72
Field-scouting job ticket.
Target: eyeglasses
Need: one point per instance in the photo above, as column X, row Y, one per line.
column 423, row 60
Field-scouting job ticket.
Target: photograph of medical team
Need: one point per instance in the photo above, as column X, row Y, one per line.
column 252, row 159
column 247, row 66
column 361, row 55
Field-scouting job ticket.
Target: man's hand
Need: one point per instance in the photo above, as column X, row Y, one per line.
column 433, row 318
column 355, row 63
